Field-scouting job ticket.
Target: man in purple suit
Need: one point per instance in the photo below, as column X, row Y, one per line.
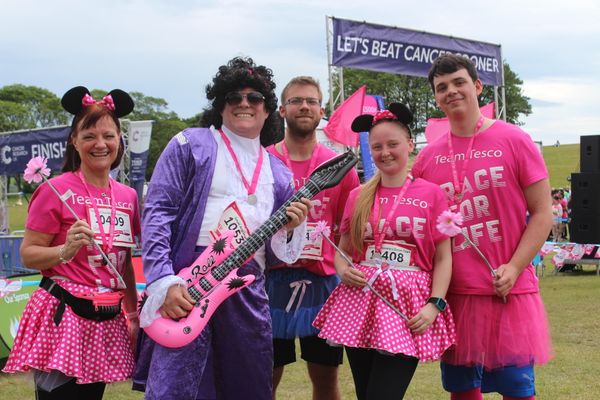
column 200, row 174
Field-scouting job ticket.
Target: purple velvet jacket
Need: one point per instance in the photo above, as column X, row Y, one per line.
column 176, row 200
column 173, row 214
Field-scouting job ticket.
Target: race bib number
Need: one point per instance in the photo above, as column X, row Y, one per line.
column 393, row 253
column 122, row 224
column 231, row 220
column 312, row 249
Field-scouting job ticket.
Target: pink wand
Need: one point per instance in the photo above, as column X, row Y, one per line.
column 323, row 229
column 36, row 171
column 449, row 223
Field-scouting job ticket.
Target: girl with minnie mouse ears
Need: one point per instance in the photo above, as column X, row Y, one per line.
column 389, row 229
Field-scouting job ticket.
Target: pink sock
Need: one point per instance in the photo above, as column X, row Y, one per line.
column 518, row 398
column 473, row 394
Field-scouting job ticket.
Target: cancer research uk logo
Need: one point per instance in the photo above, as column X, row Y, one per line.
column 5, row 155
column 8, row 154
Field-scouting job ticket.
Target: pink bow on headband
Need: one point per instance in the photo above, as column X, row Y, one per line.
column 381, row 115
column 107, row 101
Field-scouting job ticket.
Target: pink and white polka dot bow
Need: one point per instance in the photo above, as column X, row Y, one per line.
column 107, row 101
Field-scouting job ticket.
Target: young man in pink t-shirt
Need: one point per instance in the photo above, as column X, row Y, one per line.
column 297, row 292
column 493, row 174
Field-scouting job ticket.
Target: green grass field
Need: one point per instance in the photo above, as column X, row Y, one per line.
column 569, row 299
column 561, row 162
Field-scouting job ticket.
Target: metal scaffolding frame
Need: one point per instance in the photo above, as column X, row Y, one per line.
column 499, row 91
column 3, row 204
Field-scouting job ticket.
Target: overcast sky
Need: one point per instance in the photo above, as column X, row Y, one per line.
column 172, row 48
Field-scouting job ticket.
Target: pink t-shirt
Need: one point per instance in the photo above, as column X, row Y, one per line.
column 413, row 222
column 328, row 205
column 504, row 161
column 565, row 206
column 47, row 214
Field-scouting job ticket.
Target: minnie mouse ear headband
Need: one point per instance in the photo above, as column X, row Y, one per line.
column 117, row 100
column 395, row 112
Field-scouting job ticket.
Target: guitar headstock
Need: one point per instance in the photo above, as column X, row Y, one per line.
column 332, row 171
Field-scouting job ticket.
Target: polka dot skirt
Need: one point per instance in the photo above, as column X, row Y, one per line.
column 88, row 350
column 358, row 318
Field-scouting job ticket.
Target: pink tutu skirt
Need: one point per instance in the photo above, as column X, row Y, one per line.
column 358, row 318
column 495, row 334
column 87, row 350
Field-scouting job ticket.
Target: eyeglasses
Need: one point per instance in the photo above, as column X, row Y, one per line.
column 235, row 98
column 298, row 101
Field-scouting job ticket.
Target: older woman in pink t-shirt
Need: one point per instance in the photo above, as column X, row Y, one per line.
column 74, row 334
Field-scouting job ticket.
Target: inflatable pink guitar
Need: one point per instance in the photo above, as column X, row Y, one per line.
column 213, row 276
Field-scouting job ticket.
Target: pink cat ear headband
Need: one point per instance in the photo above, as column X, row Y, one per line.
column 117, row 101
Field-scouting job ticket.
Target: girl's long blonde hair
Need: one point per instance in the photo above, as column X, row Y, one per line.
column 362, row 211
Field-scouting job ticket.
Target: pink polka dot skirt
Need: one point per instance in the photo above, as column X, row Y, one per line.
column 357, row 318
column 88, row 350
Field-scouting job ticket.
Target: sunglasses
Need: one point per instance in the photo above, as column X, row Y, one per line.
column 235, row 98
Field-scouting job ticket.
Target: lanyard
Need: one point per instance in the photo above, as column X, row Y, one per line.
column 107, row 243
column 311, row 166
column 250, row 188
column 458, row 181
column 379, row 234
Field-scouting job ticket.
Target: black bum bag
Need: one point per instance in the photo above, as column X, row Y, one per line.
column 93, row 306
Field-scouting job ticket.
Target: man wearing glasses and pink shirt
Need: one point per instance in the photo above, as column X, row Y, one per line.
column 202, row 174
column 298, row 291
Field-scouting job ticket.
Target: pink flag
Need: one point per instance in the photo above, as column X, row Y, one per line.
column 370, row 105
column 437, row 127
column 338, row 127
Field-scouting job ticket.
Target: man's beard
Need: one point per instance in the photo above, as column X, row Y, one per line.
column 301, row 130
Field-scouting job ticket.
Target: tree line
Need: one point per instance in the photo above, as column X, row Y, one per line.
column 30, row 107
column 415, row 92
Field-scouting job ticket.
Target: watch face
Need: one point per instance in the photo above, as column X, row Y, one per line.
column 438, row 302
column 441, row 304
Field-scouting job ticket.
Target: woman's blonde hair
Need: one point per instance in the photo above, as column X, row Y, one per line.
column 362, row 211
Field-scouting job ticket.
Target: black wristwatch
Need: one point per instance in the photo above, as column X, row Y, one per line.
column 438, row 302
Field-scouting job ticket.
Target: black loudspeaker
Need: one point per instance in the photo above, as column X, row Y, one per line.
column 585, row 208
column 584, row 230
column 589, row 153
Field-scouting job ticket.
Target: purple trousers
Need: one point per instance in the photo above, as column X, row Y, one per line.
column 231, row 359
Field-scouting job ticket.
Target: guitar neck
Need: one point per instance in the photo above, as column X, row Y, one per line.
column 263, row 233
